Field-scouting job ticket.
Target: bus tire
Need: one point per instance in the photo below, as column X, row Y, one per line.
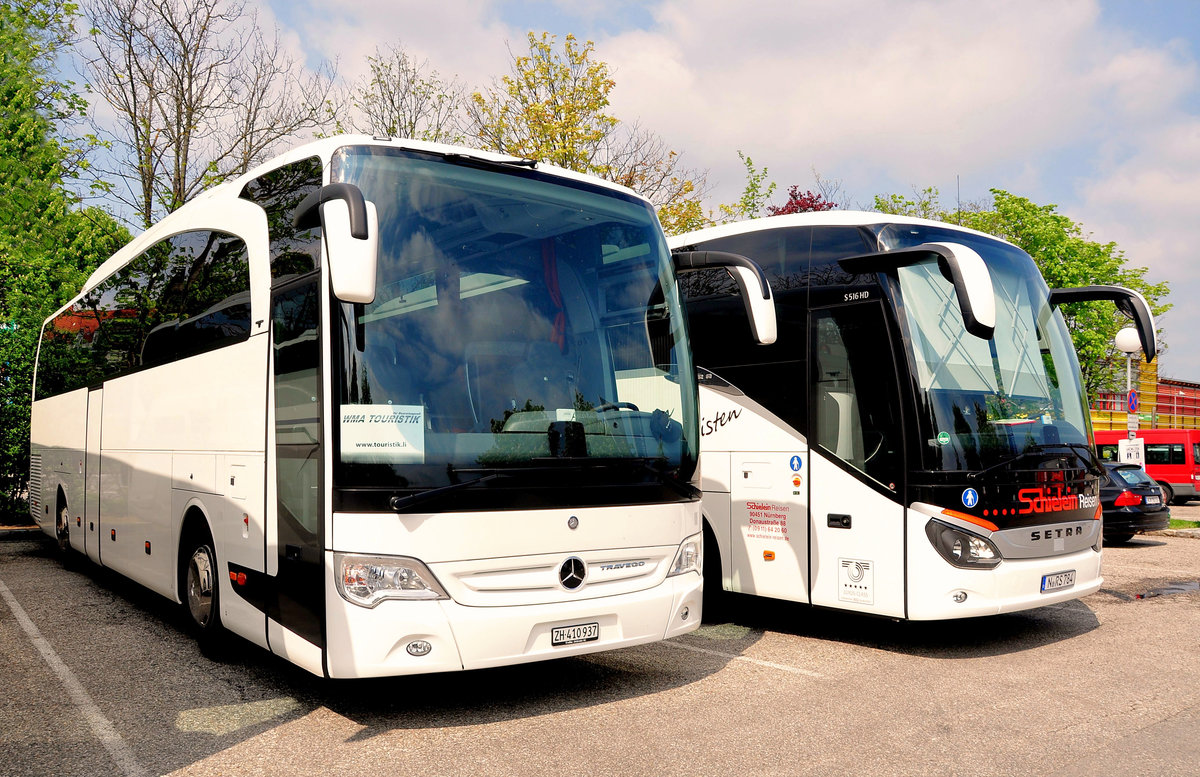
column 716, row 599
column 1168, row 492
column 201, row 589
column 62, row 529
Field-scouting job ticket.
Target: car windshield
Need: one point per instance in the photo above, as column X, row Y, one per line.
column 1133, row 476
column 521, row 319
column 985, row 402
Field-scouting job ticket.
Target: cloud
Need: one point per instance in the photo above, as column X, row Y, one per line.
column 1147, row 204
column 459, row 38
column 1052, row 101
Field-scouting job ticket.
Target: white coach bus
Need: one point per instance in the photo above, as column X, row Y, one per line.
column 916, row 444
column 384, row 407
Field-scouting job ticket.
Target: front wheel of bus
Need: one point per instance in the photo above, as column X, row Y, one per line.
column 716, row 599
column 201, row 592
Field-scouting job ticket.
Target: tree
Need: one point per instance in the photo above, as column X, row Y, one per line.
column 924, row 206
column 553, row 107
column 403, row 98
column 47, row 245
column 753, row 201
column 550, row 108
column 200, row 94
column 1066, row 256
column 801, row 202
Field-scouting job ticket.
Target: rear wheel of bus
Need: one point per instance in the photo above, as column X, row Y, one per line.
column 200, row 587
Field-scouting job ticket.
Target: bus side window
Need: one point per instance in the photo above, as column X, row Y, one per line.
column 293, row 252
column 182, row 296
column 204, row 295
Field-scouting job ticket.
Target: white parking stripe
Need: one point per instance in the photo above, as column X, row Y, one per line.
column 736, row 657
column 117, row 748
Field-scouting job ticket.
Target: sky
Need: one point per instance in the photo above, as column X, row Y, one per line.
column 1090, row 105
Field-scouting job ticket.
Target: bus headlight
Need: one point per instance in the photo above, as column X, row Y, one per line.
column 369, row 580
column 689, row 557
column 961, row 548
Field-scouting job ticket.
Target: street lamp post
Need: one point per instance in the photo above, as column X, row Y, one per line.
column 1128, row 341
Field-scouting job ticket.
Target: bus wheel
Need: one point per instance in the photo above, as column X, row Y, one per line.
column 62, row 529
column 716, row 599
column 1168, row 492
column 201, row 591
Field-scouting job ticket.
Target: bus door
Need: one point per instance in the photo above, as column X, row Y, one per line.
column 295, row 556
column 856, row 470
column 769, row 523
column 88, row 536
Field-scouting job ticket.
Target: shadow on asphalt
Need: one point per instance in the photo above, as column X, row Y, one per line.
column 959, row 638
column 241, row 674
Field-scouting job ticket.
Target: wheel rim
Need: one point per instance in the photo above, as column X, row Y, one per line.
column 63, row 529
column 200, row 585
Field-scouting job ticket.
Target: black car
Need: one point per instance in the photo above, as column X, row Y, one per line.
column 1132, row 503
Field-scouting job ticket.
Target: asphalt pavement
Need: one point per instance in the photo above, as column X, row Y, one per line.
column 100, row 677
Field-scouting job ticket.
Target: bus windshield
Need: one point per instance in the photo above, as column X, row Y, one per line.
column 521, row 320
column 984, row 402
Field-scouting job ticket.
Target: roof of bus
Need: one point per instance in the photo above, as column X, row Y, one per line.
column 855, row 218
column 324, row 149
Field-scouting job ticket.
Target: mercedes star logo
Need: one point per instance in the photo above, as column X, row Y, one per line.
column 571, row 573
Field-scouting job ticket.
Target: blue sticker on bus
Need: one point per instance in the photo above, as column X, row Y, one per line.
column 970, row 497
column 796, row 463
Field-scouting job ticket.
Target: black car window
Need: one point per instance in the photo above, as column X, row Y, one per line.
column 1134, row 476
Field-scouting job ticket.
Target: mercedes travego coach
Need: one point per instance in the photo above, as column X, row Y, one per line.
column 916, row 443
column 385, row 407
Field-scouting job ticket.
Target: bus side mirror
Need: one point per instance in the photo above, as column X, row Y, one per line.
column 1129, row 302
column 351, row 228
column 959, row 264
column 751, row 281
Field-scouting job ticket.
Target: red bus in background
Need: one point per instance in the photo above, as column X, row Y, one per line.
column 1172, row 458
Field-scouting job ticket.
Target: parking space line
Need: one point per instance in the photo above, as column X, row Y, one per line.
column 117, row 748
column 746, row 659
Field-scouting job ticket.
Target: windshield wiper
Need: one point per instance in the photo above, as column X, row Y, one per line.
column 491, row 164
column 398, row 503
column 1093, row 465
column 656, row 466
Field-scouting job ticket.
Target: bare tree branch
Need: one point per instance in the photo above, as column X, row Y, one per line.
column 199, row 93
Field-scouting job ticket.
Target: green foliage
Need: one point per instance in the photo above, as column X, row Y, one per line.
column 551, row 107
column 923, row 205
column 47, row 246
column 753, row 202
column 684, row 212
column 1067, row 257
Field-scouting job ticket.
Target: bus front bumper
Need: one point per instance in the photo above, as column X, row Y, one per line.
column 412, row 637
column 938, row 590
